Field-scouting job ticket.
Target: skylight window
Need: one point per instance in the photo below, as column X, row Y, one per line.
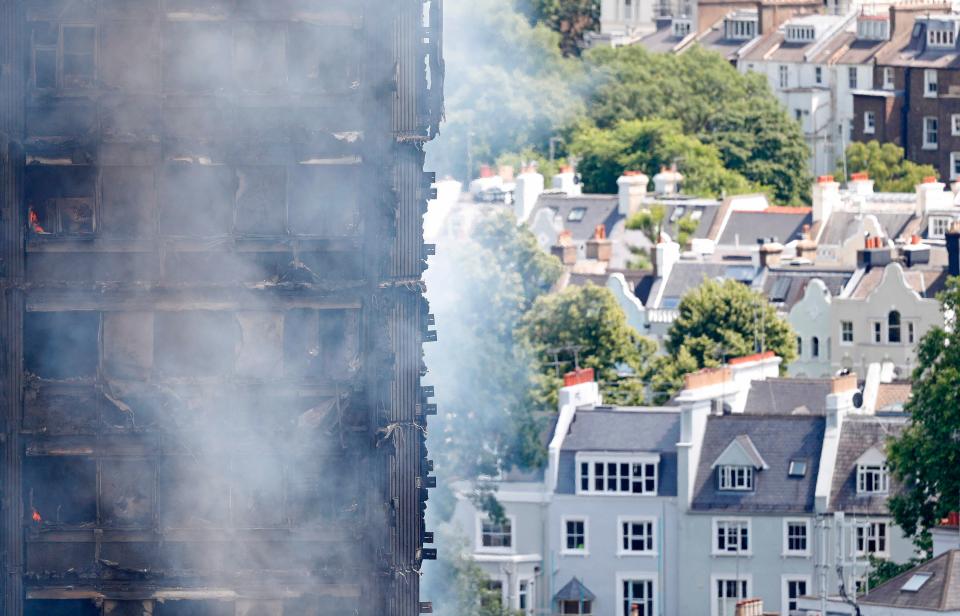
column 576, row 214
column 798, row 468
column 916, row 581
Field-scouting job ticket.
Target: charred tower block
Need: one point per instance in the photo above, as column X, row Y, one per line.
column 212, row 314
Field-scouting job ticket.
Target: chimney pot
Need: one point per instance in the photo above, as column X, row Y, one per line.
column 578, row 377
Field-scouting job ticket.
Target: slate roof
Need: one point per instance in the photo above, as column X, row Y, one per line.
column 908, row 47
column 788, row 397
column 773, row 47
column 647, row 430
column 608, row 429
column 790, row 283
column 662, row 40
column 783, row 223
column 598, row 209
column 940, row 593
column 857, row 435
column 687, row 275
column 715, row 39
column 574, row 590
column 843, row 225
column 779, row 439
column 927, row 281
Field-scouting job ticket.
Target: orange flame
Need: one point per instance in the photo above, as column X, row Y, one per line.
column 36, row 516
column 35, row 222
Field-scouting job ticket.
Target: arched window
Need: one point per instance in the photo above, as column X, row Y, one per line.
column 799, row 346
column 815, row 347
column 893, row 327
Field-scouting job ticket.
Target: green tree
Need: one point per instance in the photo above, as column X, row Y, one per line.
column 720, row 321
column 572, row 19
column 886, row 166
column 735, row 113
column 507, row 86
column 926, row 456
column 585, row 324
column 649, row 145
column 458, row 586
column 478, row 291
column 882, row 570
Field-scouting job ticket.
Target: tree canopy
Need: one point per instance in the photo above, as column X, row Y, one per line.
column 926, row 457
column 507, row 88
column 733, row 112
column 571, row 19
column 649, row 145
column 585, row 324
column 886, row 166
column 719, row 321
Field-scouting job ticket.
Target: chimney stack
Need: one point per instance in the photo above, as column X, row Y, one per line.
column 667, row 182
column 770, row 252
column 826, row 197
column 953, row 250
column 807, row 247
column 565, row 249
column 931, row 195
column 666, row 255
column 860, row 184
column 529, row 187
column 599, row 247
column 631, row 189
column 567, row 181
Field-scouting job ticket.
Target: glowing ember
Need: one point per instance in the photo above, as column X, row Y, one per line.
column 36, row 516
column 35, row 223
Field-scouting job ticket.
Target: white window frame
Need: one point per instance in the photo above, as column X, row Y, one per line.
column 787, row 522
column 876, row 332
column 867, row 527
column 911, row 337
column 637, row 576
column 734, row 477
column 889, row 82
column 528, row 593
column 783, row 74
column 954, row 165
column 883, row 478
column 715, row 537
column 818, row 75
column 480, row 548
column 652, row 521
column 728, row 577
column 930, row 86
column 600, row 458
column 939, row 225
column 844, row 329
column 852, row 77
column 586, row 535
column 927, row 143
column 869, row 122
column 785, row 589
column 940, row 38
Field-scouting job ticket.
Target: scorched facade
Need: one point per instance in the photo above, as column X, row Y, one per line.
column 212, row 309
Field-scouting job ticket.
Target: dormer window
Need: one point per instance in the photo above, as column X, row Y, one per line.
column 681, row 27
column 872, row 479
column 873, row 29
column 737, row 466
column 941, row 37
column 732, row 477
column 800, row 34
column 600, row 473
column 872, row 474
column 740, row 29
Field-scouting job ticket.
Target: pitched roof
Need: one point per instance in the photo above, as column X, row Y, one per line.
column 858, row 435
column 744, row 228
column 892, row 396
column 606, row 429
column 938, row 592
column 780, row 440
column 925, row 280
column 741, row 448
column 785, row 286
column 687, row 275
column 574, row 590
column 597, row 210
column 841, row 226
column 788, row 397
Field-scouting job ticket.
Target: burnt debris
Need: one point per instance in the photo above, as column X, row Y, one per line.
column 212, row 308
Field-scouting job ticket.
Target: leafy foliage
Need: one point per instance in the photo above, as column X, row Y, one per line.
column 572, row 19
column 734, row 113
column 886, row 166
column 589, row 320
column 507, row 86
column 720, row 321
column 458, row 586
column 649, row 145
column 926, row 457
column 882, row 570
column 479, row 291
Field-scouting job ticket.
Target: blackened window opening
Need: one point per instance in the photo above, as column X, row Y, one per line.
column 61, row 345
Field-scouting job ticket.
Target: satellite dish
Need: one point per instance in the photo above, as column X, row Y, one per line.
column 858, row 399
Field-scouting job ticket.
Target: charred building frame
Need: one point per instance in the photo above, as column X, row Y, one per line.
column 212, row 308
